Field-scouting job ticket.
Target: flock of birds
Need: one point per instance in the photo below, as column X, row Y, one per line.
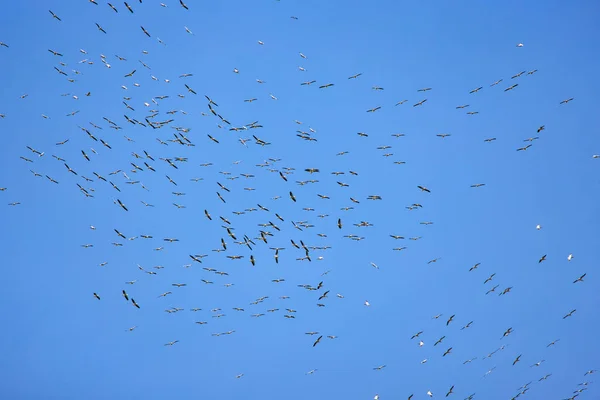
column 237, row 241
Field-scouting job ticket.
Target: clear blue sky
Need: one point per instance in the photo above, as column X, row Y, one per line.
column 59, row 342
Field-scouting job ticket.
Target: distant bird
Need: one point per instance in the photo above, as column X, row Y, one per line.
column 54, row 15
column 100, row 28
column 416, row 335
column 317, row 341
column 567, row 100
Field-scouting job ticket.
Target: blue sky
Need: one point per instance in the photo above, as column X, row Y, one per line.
column 60, row 342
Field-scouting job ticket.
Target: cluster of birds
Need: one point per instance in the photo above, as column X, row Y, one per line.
column 237, row 240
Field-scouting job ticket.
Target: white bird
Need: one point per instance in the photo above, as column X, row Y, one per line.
column 520, row 45
column 424, row 361
column 374, row 265
column 421, row 343
column 538, row 227
column 596, row 156
column 367, row 303
column 570, row 257
column 376, row 397
column 429, row 393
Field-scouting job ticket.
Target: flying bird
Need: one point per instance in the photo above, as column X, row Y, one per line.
column 317, row 341
column 54, row 15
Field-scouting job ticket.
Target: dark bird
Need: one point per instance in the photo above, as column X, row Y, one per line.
column 54, row 15
column 100, row 28
column 317, row 341
column 122, row 205
column 567, row 100
column 517, row 359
